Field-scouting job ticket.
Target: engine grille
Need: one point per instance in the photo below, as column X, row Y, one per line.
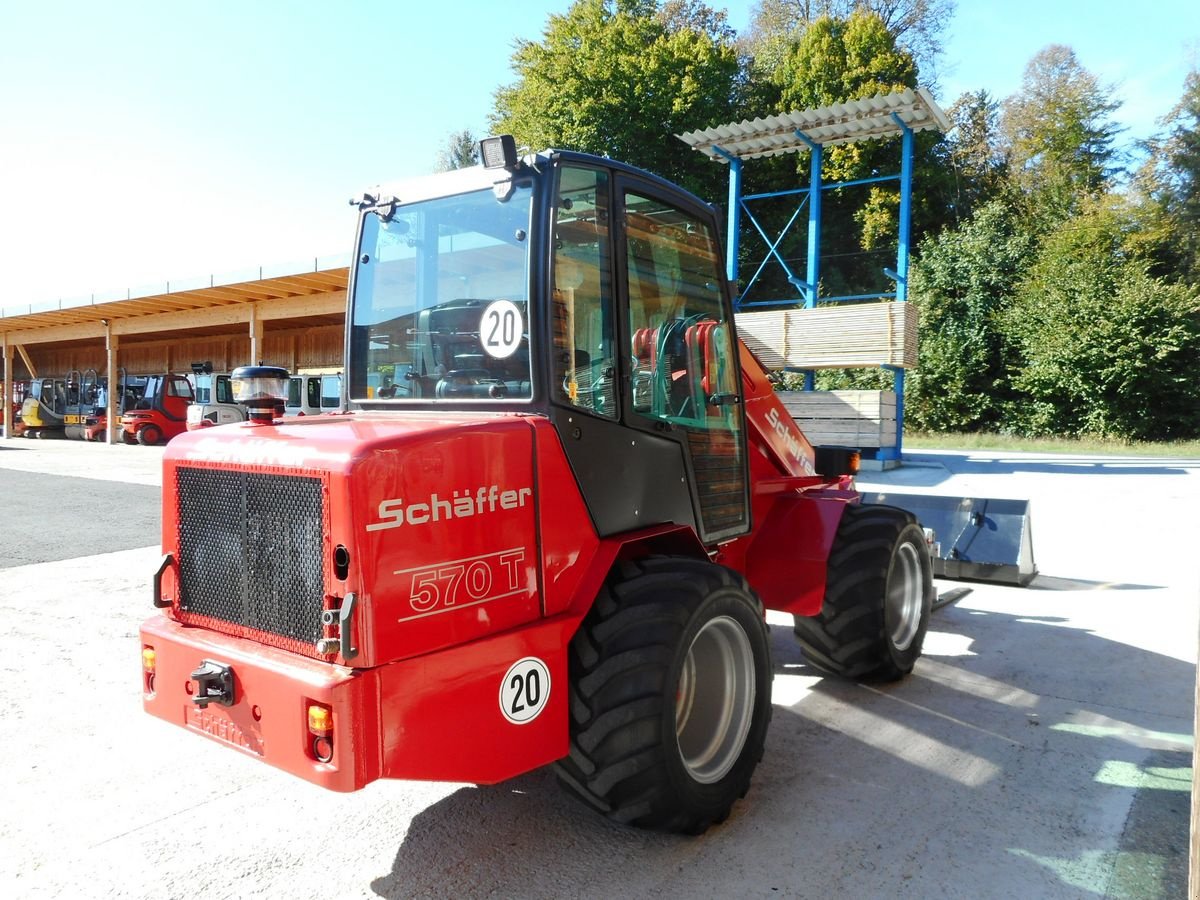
column 251, row 551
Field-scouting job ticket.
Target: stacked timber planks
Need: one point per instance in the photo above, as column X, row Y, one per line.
column 861, row 419
column 862, row 335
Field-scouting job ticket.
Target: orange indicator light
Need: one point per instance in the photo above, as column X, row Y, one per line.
column 320, row 720
column 149, row 658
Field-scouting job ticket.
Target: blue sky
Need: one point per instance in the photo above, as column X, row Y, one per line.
column 143, row 142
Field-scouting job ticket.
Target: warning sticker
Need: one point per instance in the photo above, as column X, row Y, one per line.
column 501, row 329
column 525, row 690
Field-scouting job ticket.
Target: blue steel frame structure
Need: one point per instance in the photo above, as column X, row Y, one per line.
column 901, row 113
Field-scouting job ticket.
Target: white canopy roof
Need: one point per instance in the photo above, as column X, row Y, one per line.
column 840, row 123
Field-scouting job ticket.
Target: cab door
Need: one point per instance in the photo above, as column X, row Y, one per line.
column 684, row 378
column 177, row 397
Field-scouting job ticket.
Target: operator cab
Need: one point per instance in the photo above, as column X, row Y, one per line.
column 567, row 286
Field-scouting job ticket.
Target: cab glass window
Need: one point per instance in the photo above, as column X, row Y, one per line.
column 584, row 363
column 441, row 311
column 684, row 363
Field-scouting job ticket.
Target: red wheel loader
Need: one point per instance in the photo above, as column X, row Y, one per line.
column 543, row 528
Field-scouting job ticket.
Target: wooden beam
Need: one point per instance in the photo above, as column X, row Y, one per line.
column 322, row 304
column 328, row 303
column 29, row 366
column 833, row 337
column 848, row 418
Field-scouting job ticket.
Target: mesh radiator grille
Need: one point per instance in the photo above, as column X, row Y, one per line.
column 251, row 550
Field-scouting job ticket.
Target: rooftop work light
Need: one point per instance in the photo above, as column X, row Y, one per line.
column 261, row 389
column 499, row 152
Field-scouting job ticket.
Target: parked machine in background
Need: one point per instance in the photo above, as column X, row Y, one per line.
column 83, row 391
column 161, row 413
column 555, row 546
column 214, row 403
column 130, row 389
column 44, row 409
column 15, row 395
column 311, row 395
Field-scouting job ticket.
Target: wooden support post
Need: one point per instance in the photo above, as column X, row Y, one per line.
column 8, row 389
column 113, row 428
column 256, row 335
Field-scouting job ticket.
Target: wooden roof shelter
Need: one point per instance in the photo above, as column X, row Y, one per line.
column 157, row 328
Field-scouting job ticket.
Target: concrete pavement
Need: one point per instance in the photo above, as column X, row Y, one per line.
column 1042, row 747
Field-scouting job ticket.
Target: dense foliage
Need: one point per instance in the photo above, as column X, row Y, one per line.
column 1101, row 348
column 1066, row 304
column 621, row 78
column 1058, row 291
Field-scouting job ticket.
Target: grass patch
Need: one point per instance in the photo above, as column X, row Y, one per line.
column 1098, row 446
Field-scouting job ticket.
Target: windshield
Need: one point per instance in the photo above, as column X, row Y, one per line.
column 331, row 391
column 440, row 305
column 204, row 385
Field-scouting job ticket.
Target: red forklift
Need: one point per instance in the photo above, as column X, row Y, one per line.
column 551, row 541
column 161, row 413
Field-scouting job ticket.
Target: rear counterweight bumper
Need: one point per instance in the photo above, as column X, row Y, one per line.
column 437, row 717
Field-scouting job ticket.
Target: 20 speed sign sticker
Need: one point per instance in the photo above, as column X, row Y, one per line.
column 501, row 329
column 525, row 690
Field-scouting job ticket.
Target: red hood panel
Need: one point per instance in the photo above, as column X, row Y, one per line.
column 330, row 443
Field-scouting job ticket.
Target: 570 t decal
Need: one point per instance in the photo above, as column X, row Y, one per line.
column 460, row 583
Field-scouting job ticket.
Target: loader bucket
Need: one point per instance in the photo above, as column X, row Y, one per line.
column 976, row 539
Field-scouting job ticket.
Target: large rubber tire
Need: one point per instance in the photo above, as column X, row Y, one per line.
column 149, row 435
column 878, row 596
column 670, row 695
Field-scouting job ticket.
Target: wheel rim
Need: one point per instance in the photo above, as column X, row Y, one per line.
column 714, row 703
column 905, row 595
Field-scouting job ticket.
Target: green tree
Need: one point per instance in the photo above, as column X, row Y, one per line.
column 842, row 59
column 917, row 25
column 622, row 77
column 1059, row 134
column 836, row 60
column 1170, row 183
column 460, row 152
column 962, row 281
column 973, row 161
column 1100, row 346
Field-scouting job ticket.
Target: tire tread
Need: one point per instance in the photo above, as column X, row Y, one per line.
column 618, row 661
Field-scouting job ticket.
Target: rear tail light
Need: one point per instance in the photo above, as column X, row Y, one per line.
column 149, row 662
column 320, row 731
column 320, row 720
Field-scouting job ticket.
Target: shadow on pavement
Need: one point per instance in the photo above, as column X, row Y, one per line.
column 1051, row 583
column 1038, row 760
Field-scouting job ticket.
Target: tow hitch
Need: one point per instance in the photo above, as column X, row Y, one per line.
column 214, row 684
